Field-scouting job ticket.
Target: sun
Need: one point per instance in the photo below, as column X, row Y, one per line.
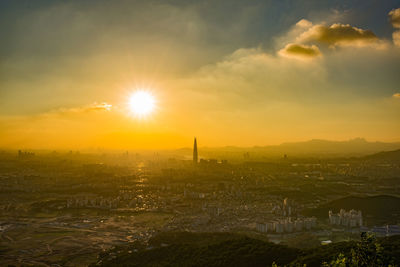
column 141, row 103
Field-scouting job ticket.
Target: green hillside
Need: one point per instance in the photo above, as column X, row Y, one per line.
column 209, row 249
column 227, row 249
column 381, row 209
column 385, row 156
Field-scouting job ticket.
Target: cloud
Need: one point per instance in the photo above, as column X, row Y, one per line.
column 300, row 51
column 99, row 107
column 338, row 35
column 394, row 17
column 396, row 95
column 294, row 31
column 303, row 23
column 253, row 77
column 103, row 106
column 396, row 38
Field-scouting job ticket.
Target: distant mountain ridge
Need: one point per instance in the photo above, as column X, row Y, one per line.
column 317, row 147
column 353, row 146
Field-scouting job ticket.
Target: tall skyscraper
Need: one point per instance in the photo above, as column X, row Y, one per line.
column 195, row 155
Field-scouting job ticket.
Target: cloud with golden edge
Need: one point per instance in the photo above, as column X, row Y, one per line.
column 394, row 17
column 338, row 35
column 300, row 51
column 396, row 95
column 303, row 23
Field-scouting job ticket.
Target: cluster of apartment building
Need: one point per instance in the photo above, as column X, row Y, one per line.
column 287, row 225
column 352, row 218
column 212, row 209
column 283, row 209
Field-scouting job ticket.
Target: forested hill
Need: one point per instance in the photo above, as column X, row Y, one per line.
column 378, row 209
column 227, row 249
column 385, row 156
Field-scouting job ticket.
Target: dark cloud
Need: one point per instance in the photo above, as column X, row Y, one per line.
column 300, row 51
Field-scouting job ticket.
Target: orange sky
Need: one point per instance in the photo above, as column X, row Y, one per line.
column 68, row 70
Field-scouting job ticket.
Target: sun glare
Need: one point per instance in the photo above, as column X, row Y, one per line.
column 141, row 103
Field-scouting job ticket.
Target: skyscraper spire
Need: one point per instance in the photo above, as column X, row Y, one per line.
column 195, row 156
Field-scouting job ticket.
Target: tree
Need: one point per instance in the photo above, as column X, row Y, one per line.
column 340, row 261
column 368, row 252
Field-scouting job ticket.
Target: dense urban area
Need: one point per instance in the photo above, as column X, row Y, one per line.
column 74, row 209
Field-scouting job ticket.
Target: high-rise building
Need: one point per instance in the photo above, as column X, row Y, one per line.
column 195, row 155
